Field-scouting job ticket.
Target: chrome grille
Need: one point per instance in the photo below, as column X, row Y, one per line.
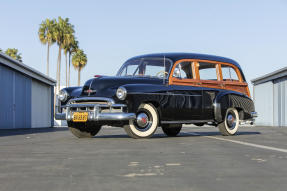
column 91, row 102
column 95, row 104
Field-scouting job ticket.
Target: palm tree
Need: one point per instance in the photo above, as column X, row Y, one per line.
column 47, row 36
column 69, row 43
column 79, row 61
column 71, row 49
column 62, row 29
column 13, row 53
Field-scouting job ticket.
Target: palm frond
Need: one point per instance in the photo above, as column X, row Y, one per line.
column 79, row 59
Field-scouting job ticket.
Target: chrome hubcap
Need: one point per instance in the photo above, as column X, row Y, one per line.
column 231, row 121
column 142, row 120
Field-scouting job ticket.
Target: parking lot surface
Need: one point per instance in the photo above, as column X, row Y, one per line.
column 198, row 159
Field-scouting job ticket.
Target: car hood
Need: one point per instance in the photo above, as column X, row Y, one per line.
column 105, row 86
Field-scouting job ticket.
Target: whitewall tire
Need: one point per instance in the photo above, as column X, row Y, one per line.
column 231, row 122
column 171, row 130
column 145, row 124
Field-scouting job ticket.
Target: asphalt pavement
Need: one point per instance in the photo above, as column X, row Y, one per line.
column 198, row 159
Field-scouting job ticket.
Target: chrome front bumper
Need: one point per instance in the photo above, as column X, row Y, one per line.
column 99, row 109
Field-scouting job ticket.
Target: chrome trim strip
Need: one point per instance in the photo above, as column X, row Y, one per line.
column 163, row 94
column 116, row 116
column 118, row 105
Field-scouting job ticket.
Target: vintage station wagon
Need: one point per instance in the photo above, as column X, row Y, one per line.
column 165, row 90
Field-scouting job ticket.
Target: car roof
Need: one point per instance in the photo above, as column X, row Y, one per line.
column 181, row 55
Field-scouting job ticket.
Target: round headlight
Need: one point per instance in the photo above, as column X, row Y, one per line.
column 121, row 93
column 63, row 95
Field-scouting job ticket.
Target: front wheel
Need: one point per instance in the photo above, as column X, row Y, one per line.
column 171, row 130
column 231, row 122
column 145, row 124
column 82, row 130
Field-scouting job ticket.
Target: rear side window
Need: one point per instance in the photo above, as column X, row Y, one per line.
column 207, row 71
column 228, row 73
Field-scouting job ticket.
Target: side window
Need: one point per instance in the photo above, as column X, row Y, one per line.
column 228, row 73
column 130, row 70
column 154, row 70
column 183, row 70
column 207, row 71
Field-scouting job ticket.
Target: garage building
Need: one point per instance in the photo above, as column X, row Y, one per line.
column 270, row 97
column 26, row 96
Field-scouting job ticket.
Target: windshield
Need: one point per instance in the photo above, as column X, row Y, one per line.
column 146, row 67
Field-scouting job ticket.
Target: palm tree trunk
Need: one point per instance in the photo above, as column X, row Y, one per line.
column 69, row 69
column 66, row 69
column 48, row 53
column 59, row 69
column 57, row 74
column 79, row 76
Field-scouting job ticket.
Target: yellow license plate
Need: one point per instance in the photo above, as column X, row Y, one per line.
column 80, row 116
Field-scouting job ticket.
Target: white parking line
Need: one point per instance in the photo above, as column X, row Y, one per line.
column 243, row 143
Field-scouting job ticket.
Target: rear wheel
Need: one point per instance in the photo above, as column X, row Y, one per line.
column 145, row 124
column 199, row 124
column 82, row 130
column 171, row 130
column 231, row 122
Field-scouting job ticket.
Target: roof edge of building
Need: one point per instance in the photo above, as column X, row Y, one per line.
column 21, row 67
column 270, row 76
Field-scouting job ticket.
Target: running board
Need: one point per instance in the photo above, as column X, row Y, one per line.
column 188, row 121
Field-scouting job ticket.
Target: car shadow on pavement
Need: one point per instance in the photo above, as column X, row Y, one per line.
column 182, row 134
column 12, row 132
column 216, row 133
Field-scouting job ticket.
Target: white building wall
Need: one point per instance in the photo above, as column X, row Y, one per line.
column 41, row 105
column 263, row 98
column 280, row 102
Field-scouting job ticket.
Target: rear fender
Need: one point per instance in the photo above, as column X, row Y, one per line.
column 225, row 100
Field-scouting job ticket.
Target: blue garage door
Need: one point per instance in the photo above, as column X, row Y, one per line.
column 15, row 99
column 6, row 101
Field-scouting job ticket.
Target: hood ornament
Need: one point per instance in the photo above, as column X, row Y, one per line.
column 89, row 91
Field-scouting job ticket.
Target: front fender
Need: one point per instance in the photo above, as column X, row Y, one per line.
column 145, row 93
column 72, row 93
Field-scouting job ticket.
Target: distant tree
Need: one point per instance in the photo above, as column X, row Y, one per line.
column 79, row 61
column 13, row 53
column 0, row 50
column 47, row 36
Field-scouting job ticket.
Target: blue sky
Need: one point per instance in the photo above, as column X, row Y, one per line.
column 254, row 33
